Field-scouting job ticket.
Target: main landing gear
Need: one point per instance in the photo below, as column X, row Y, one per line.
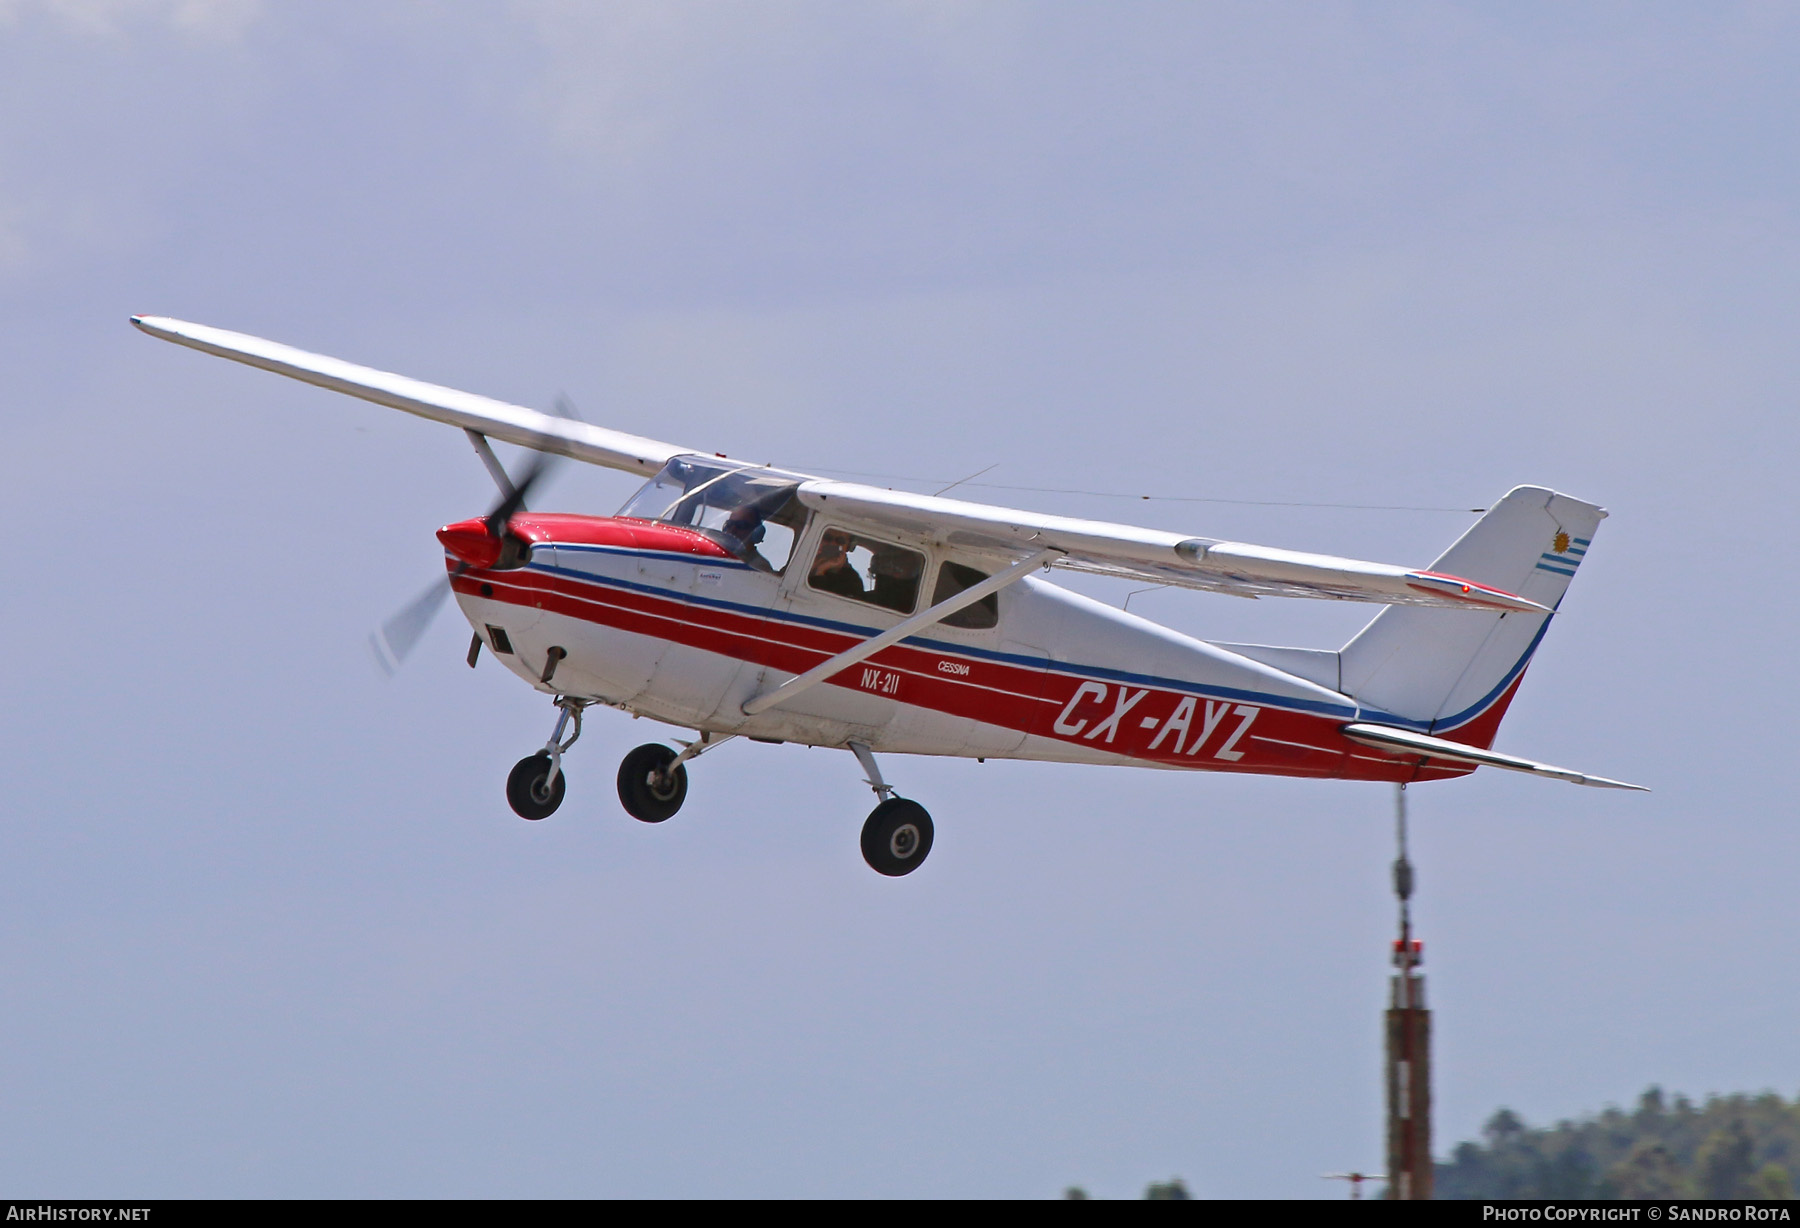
column 653, row 778
column 896, row 837
column 653, row 781
column 652, row 785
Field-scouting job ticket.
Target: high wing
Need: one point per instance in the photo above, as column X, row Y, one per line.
column 1082, row 545
column 1154, row 556
column 496, row 419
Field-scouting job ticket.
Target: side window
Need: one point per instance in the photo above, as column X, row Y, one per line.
column 953, row 578
column 864, row 569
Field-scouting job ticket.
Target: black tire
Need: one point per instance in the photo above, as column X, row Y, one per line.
column 525, row 791
column 642, row 797
column 896, row 838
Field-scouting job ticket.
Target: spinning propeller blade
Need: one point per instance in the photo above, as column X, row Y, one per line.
column 397, row 636
column 394, row 639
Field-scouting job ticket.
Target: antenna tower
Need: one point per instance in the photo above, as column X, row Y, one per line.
column 1408, row 1043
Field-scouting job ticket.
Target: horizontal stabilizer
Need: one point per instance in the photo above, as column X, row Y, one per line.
column 1382, row 737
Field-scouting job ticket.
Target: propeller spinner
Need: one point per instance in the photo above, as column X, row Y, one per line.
column 474, row 544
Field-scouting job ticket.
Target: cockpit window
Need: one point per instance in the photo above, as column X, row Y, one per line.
column 749, row 510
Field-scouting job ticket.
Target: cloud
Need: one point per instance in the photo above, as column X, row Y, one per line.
column 625, row 80
column 105, row 107
column 209, row 19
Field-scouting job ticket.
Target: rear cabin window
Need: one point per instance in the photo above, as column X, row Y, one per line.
column 867, row 570
column 953, row 578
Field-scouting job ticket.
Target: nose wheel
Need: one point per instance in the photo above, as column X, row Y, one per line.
column 535, row 787
column 532, row 791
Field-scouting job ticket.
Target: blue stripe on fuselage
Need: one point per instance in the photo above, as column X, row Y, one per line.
column 1061, row 667
column 1347, row 711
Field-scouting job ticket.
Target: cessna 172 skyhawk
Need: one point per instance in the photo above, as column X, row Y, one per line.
column 736, row 599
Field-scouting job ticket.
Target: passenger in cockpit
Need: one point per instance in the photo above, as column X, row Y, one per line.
column 896, row 574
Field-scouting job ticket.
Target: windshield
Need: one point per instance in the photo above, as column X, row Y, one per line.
column 749, row 510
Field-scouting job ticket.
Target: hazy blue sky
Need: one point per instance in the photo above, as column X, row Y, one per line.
column 266, row 924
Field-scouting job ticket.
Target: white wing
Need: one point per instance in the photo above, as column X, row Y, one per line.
column 1154, row 556
column 1083, row 545
column 496, row 419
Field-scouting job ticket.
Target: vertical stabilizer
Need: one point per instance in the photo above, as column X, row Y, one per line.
column 1452, row 672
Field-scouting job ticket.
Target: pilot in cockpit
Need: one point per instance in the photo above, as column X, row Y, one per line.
column 745, row 526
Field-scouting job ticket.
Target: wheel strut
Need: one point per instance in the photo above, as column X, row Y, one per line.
column 866, row 757
column 569, row 707
column 693, row 750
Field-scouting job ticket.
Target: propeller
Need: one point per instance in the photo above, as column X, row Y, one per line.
column 396, row 637
column 400, row 634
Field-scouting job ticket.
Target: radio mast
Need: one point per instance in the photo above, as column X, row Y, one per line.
column 1408, row 1043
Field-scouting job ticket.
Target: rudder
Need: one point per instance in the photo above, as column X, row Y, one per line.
column 1452, row 673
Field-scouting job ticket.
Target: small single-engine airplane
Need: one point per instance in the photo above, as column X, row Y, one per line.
column 740, row 600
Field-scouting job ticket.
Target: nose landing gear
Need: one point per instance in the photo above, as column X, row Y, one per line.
column 532, row 791
column 536, row 785
column 896, row 837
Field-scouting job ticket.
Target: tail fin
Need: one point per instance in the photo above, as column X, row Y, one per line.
column 1452, row 673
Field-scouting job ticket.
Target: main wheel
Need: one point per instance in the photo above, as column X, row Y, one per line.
column 531, row 792
column 647, row 789
column 896, row 837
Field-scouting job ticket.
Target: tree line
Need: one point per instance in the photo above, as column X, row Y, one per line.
column 1725, row 1147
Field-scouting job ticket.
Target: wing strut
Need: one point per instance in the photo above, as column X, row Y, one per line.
column 893, row 635
column 495, row 469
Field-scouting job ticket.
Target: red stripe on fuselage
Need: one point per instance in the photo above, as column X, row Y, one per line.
column 1154, row 725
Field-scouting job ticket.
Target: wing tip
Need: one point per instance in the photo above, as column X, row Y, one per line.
column 1601, row 782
